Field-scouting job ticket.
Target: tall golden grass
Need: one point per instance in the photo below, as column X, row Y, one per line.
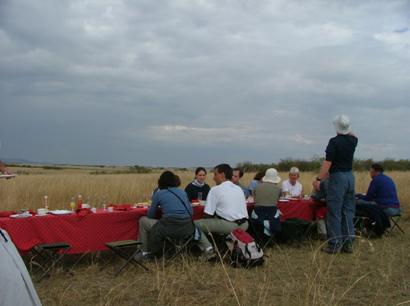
column 27, row 191
column 376, row 274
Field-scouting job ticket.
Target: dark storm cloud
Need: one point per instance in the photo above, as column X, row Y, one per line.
column 187, row 82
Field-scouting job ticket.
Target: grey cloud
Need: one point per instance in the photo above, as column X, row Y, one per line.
column 100, row 81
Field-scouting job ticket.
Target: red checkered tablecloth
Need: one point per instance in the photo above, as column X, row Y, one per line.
column 90, row 232
column 308, row 210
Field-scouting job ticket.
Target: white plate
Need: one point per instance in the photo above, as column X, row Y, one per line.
column 61, row 212
column 7, row 175
column 18, row 216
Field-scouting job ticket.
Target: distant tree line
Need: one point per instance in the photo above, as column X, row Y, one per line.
column 314, row 165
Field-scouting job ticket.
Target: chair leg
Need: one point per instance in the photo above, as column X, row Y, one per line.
column 178, row 248
column 395, row 220
column 127, row 259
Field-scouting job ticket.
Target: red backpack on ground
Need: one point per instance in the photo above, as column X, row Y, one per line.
column 245, row 252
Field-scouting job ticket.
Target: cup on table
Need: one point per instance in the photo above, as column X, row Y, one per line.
column 85, row 205
column 110, row 209
column 199, row 196
column 41, row 211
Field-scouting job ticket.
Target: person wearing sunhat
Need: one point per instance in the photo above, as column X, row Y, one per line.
column 267, row 193
column 337, row 167
column 265, row 216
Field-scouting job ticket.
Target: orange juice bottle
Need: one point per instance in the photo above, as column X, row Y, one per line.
column 80, row 201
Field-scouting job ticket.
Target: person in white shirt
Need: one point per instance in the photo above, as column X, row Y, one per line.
column 224, row 211
column 291, row 187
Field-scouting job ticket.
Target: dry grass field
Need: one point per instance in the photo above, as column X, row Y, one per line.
column 378, row 273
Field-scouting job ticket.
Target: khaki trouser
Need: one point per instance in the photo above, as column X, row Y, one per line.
column 153, row 232
column 145, row 226
column 215, row 226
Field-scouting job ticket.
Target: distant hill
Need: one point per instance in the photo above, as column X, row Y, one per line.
column 21, row 161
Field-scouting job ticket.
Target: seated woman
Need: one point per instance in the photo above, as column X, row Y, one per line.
column 291, row 187
column 198, row 189
column 256, row 180
column 267, row 195
column 176, row 219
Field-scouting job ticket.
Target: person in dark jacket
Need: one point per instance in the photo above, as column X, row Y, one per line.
column 381, row 192
column 198, row 189
column 340, row 194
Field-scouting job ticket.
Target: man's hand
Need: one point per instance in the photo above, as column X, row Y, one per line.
column 316, row 185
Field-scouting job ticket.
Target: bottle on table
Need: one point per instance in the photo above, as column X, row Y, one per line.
column 80, row 201
column 45, row 203
column 72, row 204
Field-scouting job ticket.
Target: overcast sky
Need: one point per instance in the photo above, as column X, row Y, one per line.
column 196, row 82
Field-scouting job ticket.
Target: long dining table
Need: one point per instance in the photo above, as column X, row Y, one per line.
column 88, row 232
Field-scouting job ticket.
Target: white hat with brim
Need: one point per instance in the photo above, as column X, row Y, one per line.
column 271, row 176
column 342, row 124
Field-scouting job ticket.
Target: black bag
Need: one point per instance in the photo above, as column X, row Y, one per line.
column 293, row 230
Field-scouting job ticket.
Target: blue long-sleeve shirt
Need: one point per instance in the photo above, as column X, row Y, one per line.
column 382, row 190
column 170, row 205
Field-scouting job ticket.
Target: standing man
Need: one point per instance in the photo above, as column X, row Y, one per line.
column 340, row 194
column 225, row 209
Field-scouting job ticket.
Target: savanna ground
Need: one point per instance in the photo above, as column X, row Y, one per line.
column 378, row 273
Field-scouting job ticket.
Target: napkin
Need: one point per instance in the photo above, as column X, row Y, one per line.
column 6, row 213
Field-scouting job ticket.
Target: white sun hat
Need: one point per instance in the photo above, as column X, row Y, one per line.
column 342, row 124
column 271, row 176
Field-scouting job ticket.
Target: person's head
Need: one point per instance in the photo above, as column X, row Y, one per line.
column 236, row 175
column 342, row 124
column 222, row 173
column 259, row 175
column 200, row 174
column 168, row 179
column 271, row 176
column 375, row 169
column 294, row 174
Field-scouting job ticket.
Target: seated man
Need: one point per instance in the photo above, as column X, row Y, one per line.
column 291, row 187
column 236, row 176
column 224, row 211
column 176, row 219
column 382, row 192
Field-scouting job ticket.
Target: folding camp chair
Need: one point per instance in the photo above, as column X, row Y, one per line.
column 360, row 224
column 395, row 221
column 175, row 247
column 126, row 250
column 47, row 256
column 257, row 230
